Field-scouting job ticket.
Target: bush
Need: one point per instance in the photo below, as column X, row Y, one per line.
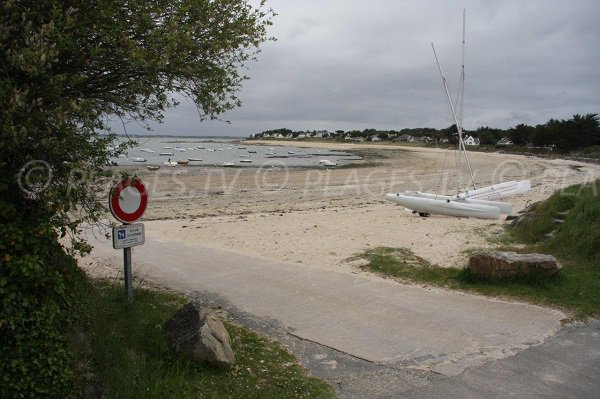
column 38, row 286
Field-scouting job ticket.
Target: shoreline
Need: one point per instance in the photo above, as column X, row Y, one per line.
column 319, row 218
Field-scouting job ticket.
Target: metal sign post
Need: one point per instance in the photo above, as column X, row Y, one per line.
column 127, row 202
column 127, row 274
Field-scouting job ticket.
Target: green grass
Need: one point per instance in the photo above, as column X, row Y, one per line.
column 130, row 356
column 575, row 242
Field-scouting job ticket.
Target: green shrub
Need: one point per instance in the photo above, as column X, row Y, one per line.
column 573, row 216
column 38, row 283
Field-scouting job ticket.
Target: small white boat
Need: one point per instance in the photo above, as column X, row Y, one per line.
column 426, row 204
column 170, row 163
column 167, row 148
column 181, row 149
column 241, row 148
column 138, row 159
column 270, row 153
column 147, row 150
column 228, row 164
column 198, row 147
column 221, row 149
column 166, row 154
column 291, row 152
column 246, row 160
column 182, row 161
column 471, row 203
column 210, row 149
column 328, row 163
column 153, row 167
column 194, row 159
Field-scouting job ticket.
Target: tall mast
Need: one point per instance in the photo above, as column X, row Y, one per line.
column 462, row 98
column 456, row 121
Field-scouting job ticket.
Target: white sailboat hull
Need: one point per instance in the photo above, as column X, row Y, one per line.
column 444, row 205
column 498, row 191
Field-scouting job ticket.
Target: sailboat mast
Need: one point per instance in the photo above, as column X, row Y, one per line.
column 456, row 121
column 462, row 100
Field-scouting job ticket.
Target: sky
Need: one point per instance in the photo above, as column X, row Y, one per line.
column 355, row 64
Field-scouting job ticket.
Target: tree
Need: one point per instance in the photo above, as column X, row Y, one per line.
column 68, row 66
column 521, row 134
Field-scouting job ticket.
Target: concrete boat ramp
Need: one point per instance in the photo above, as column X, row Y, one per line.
column 370, row 337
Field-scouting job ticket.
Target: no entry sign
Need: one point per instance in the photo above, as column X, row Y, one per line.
column 128, row 200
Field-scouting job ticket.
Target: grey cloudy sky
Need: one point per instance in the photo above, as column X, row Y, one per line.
column 355, row 64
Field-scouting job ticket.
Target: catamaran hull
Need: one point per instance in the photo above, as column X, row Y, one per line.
column 498, row 191
column 424, row 203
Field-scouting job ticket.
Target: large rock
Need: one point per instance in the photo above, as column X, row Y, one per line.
column 200, row 336
column 506, row 264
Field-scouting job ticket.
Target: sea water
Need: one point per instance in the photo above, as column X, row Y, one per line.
column 217, row 151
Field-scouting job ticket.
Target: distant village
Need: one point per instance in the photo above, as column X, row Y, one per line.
column 372, row 135
column 580, row 133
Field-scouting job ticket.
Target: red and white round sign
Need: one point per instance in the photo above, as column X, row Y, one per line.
column 128, row 200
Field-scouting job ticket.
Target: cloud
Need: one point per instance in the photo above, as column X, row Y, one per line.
column 352, row 64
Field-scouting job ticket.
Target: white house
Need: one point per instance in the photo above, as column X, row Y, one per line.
column 470, row 140
column 505, row 141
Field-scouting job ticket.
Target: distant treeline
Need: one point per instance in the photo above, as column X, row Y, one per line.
column 565, row 136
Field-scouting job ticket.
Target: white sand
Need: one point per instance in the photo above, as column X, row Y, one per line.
column 319, row 218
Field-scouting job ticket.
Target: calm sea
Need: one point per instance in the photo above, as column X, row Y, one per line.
column 217, row 152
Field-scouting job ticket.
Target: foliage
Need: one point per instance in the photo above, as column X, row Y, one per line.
column 131, row 357
column 39, row 283
column 66, row 68
column 521, row 134
column 577, row 236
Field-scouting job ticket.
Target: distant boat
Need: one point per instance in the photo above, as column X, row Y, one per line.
column 182, row 161
column 198, row 147
column 241, row 148
column 167, row 148
column 147, row 150
column 166, row 154
column 153, row 167
column 291, row 152
column 181, row 149
column 328, row 163
column 251, row 152
column 170, row 163
column 194, row 159
column 210, row 149
column 138, row 159
column 270, row 153
column 227, row 164
column 246, row 160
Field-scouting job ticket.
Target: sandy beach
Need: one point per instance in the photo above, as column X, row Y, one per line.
column 318, row 218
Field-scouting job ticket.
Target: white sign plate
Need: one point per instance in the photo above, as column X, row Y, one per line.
column 128, row 235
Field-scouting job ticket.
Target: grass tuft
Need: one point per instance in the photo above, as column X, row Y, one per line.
column 131, row 359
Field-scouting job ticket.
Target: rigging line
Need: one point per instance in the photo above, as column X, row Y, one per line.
column 442, row 174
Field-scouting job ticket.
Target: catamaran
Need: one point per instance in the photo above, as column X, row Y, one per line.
column 478, row 202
